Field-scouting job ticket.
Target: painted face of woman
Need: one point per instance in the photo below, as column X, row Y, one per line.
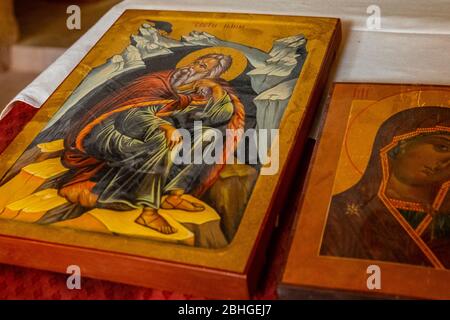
column 424, row 160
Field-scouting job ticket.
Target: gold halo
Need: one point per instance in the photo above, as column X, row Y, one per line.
column 365, row 120
column 238, row 64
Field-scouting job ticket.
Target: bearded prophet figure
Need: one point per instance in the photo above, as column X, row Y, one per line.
column 399, row 211
column 119, row 155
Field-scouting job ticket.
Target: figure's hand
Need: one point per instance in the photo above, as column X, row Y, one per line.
column 205, row 83
column 173, row 136
column 209, row 88
column 196, row 86
column 186, row 87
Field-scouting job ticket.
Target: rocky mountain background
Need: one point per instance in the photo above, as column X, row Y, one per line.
column 265, row 87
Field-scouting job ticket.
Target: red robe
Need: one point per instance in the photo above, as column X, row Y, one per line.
column 149, row 89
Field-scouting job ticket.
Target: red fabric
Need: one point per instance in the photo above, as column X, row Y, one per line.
column 14, row 121
column 23, row 283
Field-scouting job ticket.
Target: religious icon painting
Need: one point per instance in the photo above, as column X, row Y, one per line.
column 161, row 159
column 375, row 217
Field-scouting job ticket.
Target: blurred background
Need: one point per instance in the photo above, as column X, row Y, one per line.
column 34, row 33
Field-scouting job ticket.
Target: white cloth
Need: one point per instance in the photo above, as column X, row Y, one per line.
column 412, row 45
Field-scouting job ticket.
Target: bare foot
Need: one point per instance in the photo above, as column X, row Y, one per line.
column 178, row 203
column 150, row 218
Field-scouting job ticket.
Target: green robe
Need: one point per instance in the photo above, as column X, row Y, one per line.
column 139, row 169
